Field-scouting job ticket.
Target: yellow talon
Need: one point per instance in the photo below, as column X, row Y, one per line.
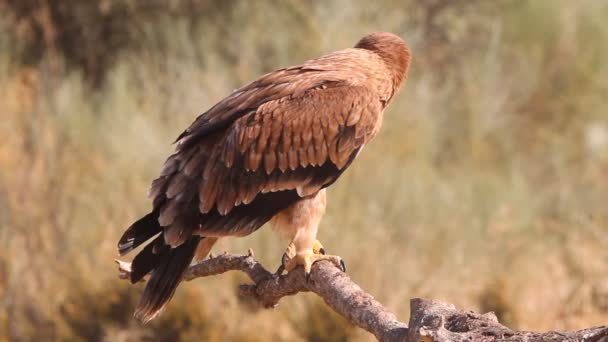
column 317, row 247
column 308, row 259
column 290, row 252
column 291, row 259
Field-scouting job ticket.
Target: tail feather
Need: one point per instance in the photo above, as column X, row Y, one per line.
column 165, row 277
column 148, row 259
column 167, row 263
column 139, row 232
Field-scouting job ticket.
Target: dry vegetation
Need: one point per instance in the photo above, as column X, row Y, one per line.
column 487, row 187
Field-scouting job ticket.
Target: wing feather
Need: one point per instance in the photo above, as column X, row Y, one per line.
column 296, row 138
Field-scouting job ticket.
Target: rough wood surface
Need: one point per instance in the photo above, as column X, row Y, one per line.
column 430, row 320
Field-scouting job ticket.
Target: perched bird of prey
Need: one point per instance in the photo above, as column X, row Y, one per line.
column 264, row 153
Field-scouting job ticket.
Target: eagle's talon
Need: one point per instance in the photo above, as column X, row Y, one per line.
column 307, row 259
column 280, row 270
column 317, row 248
column 290, row 252
column 285, row 259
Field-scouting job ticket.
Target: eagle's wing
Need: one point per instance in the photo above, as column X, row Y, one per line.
column 285, row 143
column 283, row 150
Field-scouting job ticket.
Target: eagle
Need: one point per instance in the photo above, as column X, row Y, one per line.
column 265, row 153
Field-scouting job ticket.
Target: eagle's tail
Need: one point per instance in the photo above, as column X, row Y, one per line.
column 166, row 264
column 168, row 267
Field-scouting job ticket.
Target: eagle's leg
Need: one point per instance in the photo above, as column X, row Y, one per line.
column 300, row 223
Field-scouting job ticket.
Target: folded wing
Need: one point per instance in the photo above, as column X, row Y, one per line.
column 295, row 143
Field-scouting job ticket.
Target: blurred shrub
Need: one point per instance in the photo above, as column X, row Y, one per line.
column 321, row 323
column 106, row 315
column 90, row 35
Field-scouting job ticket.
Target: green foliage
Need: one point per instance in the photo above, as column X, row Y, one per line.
column 486, row 187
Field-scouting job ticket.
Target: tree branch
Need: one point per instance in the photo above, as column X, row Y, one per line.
column 430, row 320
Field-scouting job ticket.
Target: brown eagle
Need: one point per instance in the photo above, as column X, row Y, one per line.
column 264, row 153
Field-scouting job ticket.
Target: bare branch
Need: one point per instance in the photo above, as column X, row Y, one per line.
column 430, row 320
column 326, row 280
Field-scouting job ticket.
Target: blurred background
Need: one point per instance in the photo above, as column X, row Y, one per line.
column 486, row 188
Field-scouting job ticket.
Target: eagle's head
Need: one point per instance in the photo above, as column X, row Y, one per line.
column 393, row 51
